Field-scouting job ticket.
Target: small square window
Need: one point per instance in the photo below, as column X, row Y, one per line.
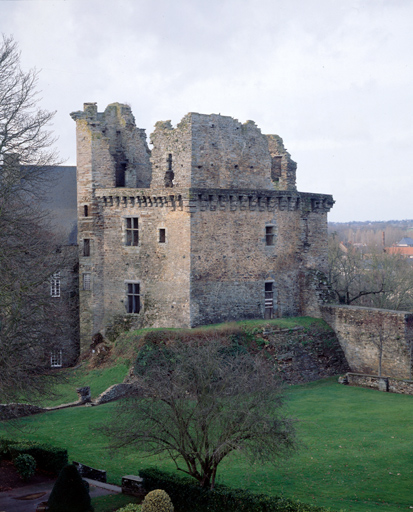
column 269, row 235
column 132, row 231
column 86, row 281
column 162, row 235
column 55, row 285
column 133, row 296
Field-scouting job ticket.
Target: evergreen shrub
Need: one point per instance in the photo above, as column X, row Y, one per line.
column 69, row 493
column 187, row 496
column 157, row 501
column 25, row 465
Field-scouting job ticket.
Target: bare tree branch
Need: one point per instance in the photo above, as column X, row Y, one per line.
column 31, row 324
column 200, row 402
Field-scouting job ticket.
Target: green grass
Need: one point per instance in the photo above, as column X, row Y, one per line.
column 356, row 454
column 98, row 379
column 112, row 502
column 115, row 370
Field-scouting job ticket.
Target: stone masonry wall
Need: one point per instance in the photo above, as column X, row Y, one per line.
column 231, row 261
column 283, row 168
column 161, row 269
column 359, row 330
column 211, row 151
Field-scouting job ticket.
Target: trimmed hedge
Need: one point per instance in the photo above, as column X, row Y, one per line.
column 187, row 496
column 48, row 458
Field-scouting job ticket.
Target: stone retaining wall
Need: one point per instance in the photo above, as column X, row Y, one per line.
column 389, row 384
column 12, row 411
column 360, row 332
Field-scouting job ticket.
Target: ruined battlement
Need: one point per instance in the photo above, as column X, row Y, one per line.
column 203, row 151
column 211, row 151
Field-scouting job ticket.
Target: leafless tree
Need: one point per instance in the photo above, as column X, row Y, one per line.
column 382, row 330
column 30, row 323
column 200, row 402
column 369, row 277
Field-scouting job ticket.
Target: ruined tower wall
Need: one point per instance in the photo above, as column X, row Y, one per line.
column 221, row 233
column 211, row 151
column 161, row 266
column 241, row 240
column 283, row 168
column 108, row 144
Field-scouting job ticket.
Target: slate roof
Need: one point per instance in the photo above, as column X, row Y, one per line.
column 405, row 241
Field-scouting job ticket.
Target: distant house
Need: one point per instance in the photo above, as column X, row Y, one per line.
column 404, row 248
column 406, row 252
column 405, row 242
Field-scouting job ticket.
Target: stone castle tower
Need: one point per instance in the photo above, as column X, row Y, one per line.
column 205, row 228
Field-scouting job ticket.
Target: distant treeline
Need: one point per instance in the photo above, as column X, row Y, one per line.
column 371, row 233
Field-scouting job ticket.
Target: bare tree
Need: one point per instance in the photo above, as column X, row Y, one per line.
column 382, row 331
column 30, row 323
column 200, row 402
column 369, row 277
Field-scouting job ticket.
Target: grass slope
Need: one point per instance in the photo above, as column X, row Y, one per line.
column 356, row 454
column 99, row 379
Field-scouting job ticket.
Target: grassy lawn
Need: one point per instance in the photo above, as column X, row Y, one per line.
column 356, row 454
column 98, row 379
column 112, row 502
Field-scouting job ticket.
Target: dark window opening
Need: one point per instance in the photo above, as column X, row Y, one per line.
column 169, row 175
column 134, row 303
column 132, row 231
column 86, row 210
column 86, row 247
column 276, row 167
column 120, row 174
column 162, row 235
column 269, row 300
column 269, row 235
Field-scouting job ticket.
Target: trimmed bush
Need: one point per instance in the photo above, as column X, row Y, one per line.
column 157, row 501
column 5, row 448
column 187, row 496
column 69, row 493
column 25, row 465
column 132, row 507
column 48, row 458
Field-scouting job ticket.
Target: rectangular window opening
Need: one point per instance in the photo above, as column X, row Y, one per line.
column 269, row 235
column 132, row 231
column 162, row 235
column 269, row 300
column 56, row 359
column 86, row 281
column 133, row 296
column 55, row 285
column 86, row 247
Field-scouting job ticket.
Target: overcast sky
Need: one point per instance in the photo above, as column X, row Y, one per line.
column 333, row 78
